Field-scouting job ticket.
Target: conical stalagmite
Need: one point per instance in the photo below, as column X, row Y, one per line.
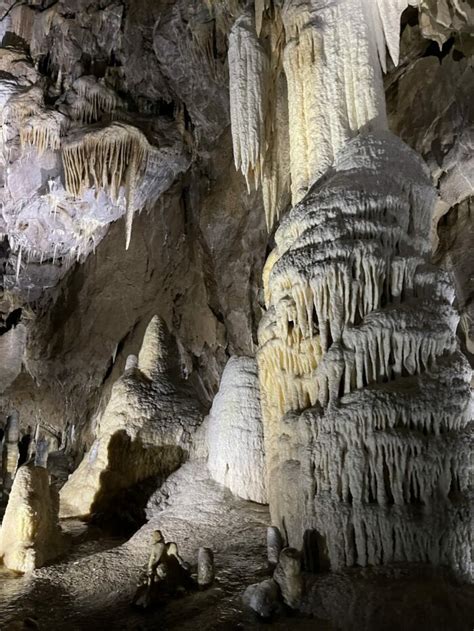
column 145, row 431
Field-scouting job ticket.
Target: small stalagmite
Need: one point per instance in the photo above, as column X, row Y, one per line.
column 206, row 571
column 289, row 578
column 274, row 544
column 30, row 535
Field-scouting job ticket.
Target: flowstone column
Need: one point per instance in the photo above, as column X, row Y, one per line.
column 365, row 394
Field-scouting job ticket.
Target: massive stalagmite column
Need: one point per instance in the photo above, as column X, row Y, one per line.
column 360, row 333
column 30, row 534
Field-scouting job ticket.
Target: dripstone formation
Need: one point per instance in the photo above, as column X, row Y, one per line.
column 360, row 333
column 236, row 311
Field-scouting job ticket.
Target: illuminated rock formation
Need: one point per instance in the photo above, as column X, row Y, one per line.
column 43, row 130
column 145, row 431
column 332, row 54
column 360, row 333
column 30, row 535
column 107, row 158
column 12, row 348
column 65, row 181
column 235, row 432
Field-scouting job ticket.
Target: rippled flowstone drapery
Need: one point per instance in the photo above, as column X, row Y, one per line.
column 365, row 395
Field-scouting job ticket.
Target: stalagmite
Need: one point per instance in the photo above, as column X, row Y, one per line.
column 106, row 158
column 131, row 363
column 205, row 575
column 10, row 451
column 262, row 598
column 145, row 430
column 235, row 432
column 30, row 535
column 288, row 576
column 42, row 453
column 360, row 333
column 274, row 544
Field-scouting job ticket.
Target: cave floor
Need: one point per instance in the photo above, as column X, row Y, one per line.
column 92, row 587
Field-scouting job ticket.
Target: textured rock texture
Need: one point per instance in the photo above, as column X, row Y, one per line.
column 235, row 432
column 30, row 535
column 430, row 108
column 145, row 431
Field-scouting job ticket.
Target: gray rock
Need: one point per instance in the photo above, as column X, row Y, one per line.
column 289, row 578
column 262, row 598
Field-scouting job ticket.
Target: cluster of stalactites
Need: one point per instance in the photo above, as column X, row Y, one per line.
column 372, row 535
column 23, row 104
column 391, row 471
column 359, row 448
column 331, row 55
column 43, row 131
column 259, row 110
column 107, row 158
column 95, row 99
column 38, row 126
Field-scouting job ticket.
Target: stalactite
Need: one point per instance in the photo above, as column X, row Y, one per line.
column 360, row 333
column 94, row 100
column 21, row 106
column 331, row 53
column 43, row 131
column 334, row 87
column 248, row 79
column 106, row 158
column 259, row 108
